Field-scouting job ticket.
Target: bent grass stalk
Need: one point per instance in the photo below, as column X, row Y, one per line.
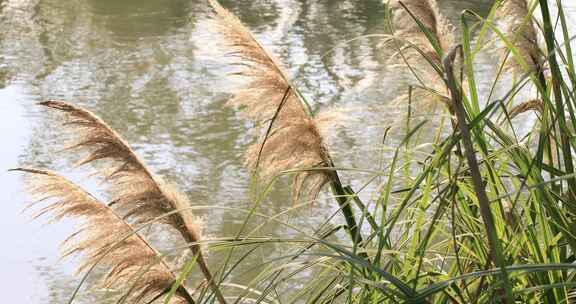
column 485, row 210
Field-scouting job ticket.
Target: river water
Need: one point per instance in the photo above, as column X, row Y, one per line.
column 149, row 68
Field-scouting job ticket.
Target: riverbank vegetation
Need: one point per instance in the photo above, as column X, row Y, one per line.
column 471, row 207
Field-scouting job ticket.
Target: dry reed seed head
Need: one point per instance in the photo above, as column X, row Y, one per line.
column 295, row 145
column 330, row 121
column 150, row 199
column 422, row 101
column 103, row 239
column 309, row 184
column 535, row 105
column 191, row 225
column 293, row 141
column 133, row 186
column 518, row 26
column 95, row 136
column 408, row 30
column 245, row 48
column 261, row 104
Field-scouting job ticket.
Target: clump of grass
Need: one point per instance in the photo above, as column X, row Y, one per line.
column 493, row 222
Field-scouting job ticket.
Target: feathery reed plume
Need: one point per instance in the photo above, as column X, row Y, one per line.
column 406, row 12
column 422, row 53
column 535, row 105
column 134, row 187
column 517, row 24
column 290, row 137
column 104, row 238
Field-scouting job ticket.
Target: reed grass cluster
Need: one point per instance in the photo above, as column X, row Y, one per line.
column 482, row 216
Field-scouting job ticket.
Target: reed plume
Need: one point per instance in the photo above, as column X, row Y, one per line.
column 290, row 138
column 422, row 53
column 104, row 239
column 535, row 105
column 134, row 187
column 516, row 22
column 406, row 29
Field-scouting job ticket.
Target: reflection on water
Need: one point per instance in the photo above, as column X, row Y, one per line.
column 147, row 68
column 136, row 19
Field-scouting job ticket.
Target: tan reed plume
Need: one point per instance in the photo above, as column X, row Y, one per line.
column 515, row 19
column 518, row 26
column 418, row 52
column 104, row 239
column 408, row 30
column 290, row 138
column 134, row 187
column 535, row 105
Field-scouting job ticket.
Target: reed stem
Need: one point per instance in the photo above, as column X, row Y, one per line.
column 208, row 275
column 495, row 248
column 343, row 199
